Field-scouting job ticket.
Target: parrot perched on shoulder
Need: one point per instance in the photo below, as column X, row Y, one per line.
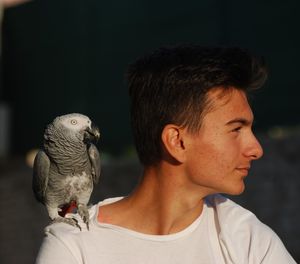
column 67, row 167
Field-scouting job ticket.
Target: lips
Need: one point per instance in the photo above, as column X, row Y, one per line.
column 244, row 170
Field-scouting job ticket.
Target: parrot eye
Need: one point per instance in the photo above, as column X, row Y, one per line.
column 73, row 121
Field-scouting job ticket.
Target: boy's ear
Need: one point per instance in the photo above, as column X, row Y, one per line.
column 173, row 142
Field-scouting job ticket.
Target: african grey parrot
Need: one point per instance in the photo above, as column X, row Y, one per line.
column 67, row 167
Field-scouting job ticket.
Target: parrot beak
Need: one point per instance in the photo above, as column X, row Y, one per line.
column 92, row 134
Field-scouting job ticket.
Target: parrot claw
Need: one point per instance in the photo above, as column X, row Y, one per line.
column 84, row 213
column 70, row 221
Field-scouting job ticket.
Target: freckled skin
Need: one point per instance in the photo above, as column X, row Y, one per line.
column 219, row 156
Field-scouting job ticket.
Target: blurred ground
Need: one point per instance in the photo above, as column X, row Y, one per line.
column 272, row 193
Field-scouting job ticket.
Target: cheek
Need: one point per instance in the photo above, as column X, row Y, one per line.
column 219, row 158
column 219, row 163
column 207, row 160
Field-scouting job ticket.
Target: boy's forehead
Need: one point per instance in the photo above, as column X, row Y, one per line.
column 228, row 104
column 220, row 96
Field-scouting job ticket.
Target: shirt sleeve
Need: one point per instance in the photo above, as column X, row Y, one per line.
column 55, row 250
column 276, row 252
column 244, row 239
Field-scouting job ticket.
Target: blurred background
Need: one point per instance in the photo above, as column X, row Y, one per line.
column 70, row 56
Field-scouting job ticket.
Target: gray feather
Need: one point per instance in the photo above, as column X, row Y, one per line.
column 69, row 164
column 40, row 175
column 95, row 161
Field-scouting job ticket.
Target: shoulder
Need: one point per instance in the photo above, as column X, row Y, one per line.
column 236, row 222
column 243, row 235
column 63, row 230
column 60, row 244
column 63, row 242
column 228, row 209
column 230, row 213
column 68, row 234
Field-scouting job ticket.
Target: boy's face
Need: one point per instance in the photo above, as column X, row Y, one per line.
column 219, row 156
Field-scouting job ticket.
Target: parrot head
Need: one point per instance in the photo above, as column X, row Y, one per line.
column 75, row 126
column 91, row 133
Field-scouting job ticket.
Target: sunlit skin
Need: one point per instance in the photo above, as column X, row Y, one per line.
column 220, row 155
column 216, row 159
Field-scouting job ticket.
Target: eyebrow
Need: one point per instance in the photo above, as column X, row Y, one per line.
column 240, row 120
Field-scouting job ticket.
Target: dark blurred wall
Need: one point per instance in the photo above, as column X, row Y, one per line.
column 70, row 56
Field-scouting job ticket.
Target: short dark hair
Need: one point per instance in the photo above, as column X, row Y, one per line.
column 169, row 86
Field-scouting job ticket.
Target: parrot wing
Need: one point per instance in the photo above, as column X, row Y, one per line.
column 95, row 162
column 40, row 175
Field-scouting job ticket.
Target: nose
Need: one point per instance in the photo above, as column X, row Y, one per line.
column 254, row 150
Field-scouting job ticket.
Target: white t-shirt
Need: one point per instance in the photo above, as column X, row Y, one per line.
column 223, row 233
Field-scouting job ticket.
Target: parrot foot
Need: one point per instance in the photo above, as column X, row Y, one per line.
column 84, row 213
column 70, row 221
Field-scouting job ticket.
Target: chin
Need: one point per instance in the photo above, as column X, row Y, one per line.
column 237, row 190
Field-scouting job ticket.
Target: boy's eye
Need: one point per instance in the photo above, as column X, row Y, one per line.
column 237, row 129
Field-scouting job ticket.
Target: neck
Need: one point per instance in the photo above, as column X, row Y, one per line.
column 164, row 202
